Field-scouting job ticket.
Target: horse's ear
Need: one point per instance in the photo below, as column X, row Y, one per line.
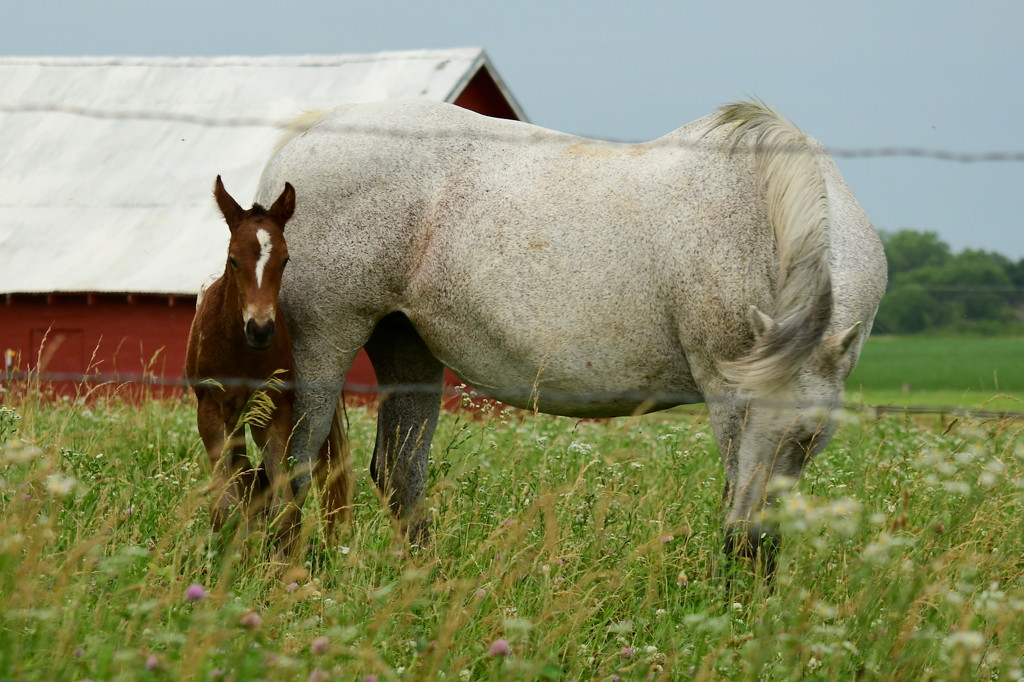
column 760, row 322
column 229, row 208
column 284, row 207
column 841, row 342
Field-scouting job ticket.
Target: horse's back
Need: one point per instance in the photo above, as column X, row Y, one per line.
column 528, row 258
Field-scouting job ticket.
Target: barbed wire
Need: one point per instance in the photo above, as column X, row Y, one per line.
column 1011, row 289
column 645, row 401
column 890, row 151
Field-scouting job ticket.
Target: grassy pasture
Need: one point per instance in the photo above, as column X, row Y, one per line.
column 585, row 550
column 976, row 372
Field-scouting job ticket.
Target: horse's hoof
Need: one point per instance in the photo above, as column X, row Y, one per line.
column 757, row 543
column 418, row 533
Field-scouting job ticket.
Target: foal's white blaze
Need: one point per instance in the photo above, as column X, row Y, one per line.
column 263, row 237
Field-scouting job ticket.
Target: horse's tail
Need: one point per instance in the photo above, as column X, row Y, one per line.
column 337, row 479
column 788, row 171
column 298, row 125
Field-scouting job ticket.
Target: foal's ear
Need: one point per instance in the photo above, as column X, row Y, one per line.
column 284, row 207
column 229, row 208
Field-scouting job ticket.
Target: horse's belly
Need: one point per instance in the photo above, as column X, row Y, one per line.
column 582, row 395
column 564, row 373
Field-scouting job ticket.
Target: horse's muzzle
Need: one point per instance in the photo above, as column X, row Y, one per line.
column 259, row 336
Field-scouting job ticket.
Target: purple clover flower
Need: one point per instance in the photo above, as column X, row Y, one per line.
column 500, row 648
column 320, row 645
column 195, row 592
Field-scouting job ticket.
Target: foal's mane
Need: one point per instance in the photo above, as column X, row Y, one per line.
column 257, row 211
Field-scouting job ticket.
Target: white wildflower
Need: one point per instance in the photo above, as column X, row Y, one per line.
column 878, row 551
column 967, row 456
column 957, row 487
column 60, row 485
column 578, row 448
column 966, row 639
column 990, row 475
column 781, row 484
column 991, row 601
column 20, row 455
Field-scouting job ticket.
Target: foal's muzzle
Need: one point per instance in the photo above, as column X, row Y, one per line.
column 258, row 335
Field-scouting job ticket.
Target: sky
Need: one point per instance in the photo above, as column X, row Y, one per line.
column 936, row 76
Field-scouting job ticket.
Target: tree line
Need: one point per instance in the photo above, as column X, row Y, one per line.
column 932, row 289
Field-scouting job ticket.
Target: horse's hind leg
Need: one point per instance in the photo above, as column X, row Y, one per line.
column 410, row 382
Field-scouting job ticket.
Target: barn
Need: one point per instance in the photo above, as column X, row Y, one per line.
column 107, row 222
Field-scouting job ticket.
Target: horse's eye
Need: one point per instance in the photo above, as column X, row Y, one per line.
column 233, row 262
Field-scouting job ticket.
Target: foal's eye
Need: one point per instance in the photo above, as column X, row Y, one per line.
column 233, row 262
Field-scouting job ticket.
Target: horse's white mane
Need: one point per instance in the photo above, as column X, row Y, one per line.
column 789, row 172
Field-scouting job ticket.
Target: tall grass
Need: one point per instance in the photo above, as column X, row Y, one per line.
column 562, row 550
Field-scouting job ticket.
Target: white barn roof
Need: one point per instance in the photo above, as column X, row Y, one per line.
column 107, row 164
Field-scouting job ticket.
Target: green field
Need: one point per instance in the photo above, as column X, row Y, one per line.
column 938, row 371
column 563, row 550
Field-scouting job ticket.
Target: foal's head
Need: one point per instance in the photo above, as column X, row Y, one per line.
column 257, row 254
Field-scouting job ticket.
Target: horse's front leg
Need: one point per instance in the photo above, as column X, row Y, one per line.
column 410, row 384
column 743, row 496
column 334, row 474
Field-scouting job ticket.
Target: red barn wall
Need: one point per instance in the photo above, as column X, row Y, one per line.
column 63, row 336
column 116, row 338
column 483, row 96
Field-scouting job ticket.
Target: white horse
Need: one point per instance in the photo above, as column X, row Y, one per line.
column 726, row 262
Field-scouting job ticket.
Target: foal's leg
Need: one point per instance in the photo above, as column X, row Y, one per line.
column 410, row 382
column 234, row 480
